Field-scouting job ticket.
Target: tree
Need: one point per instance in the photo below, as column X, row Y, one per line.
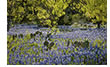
column 50, row 11
column 95, row 10
column 21, row 11
column 72, row 13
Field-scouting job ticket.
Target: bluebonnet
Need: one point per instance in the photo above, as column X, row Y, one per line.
column 17, row 56
column 10, row 62
column 16, row 61
column 61, row 54
column 20, row 62
column 10, row 55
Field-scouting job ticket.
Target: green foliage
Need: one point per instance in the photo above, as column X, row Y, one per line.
column 76, row 17
column 50, row 12
column 46, row 43
column 95, row 10
column 21, row 11
column 84, row 44
column 53, row 12
column 51, row 45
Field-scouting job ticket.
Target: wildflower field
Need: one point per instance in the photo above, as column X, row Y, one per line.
column 67, row 48
column 57, row 32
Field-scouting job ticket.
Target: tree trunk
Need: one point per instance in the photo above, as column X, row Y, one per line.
column 98, row 24
column 8, row 26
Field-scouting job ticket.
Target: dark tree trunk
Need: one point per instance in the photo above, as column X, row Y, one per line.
column 8, row 26
column 98, row 24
